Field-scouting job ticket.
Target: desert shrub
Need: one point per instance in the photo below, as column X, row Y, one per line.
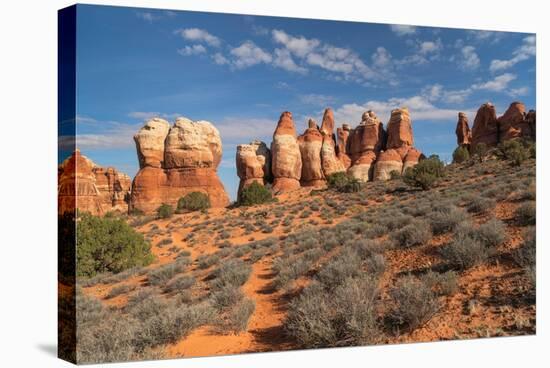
column 170, row 324
column 233, row 272
column 376, row 264
column 165, row 211
column 139, row 297
column 180, row 283
column 480, row 151
column 346, row 317
column 161, row 275
column 445, row 283
column 395, row 175
column 461, row 154
column 526, row 214
column 108, row 245
column 417, row 232
column 446, row 218
column 119, row 290
column 414, row 303
column 514, row 151
column 345, row 265
column 255, row 194
column 164, row 242
column 465, row 251
column 342, row 182
column 479, row 204
column 226, row 296
column 240, row 315
column 205, row 261
column 426, row 174
column 525, row 256
column 194, row 201
column 289, row 269
column 492, row 233
column 114, row 336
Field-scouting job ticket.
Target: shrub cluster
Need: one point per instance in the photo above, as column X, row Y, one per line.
column 461, row 155
column 108, row 245
column 426, row 174
column 342, row 182
column 255, row 194
column 194, row 201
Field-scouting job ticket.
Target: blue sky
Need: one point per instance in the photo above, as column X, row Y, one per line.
column 240, row 72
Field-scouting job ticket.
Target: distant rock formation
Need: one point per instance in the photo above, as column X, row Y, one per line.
column 342, row 142
column 514, row 123
column 286, row 161
column 490, row 130
column 399, row 128
column 175, row 161
column 463, row 133
column 485, row 129
column 311, row 143
column 318, row 153
column 253, row 164
column 369, row 135
column 90, row 188
column 329, row 161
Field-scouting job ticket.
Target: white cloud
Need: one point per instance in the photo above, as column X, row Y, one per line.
column 316, row 99
column 381, row 57
column 433, row 92
column 299, row 46
column 486, row 36
column 402, row 30
column 192, row 50
column 199, row 35
column 283, row 59
column 469, row 59
column 248, row 54
column 236, row 130
column 419, row 107
column 521, row 91
column 498, row 84
column 220, row 59
column 527, row 50
column 148, row 16
column 428, row 47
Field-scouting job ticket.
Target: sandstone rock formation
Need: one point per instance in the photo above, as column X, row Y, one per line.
column 399, row 128
column 150, row 142
column 318, row 152
column 363, row 168
column 463, row 133
column 253, row 164
column 341, row 146
column 90, row 188
column 310, row 150
column 387, row 161
column 192, row 144
column 513, row 124
column 286, row 162
column 191, row 153
column 369, row 135
column 485, row 128
column 114, row 188
column 329, row 161
column 411, row 159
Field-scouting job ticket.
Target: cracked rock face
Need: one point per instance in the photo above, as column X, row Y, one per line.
column 253, row 164
column 286, row 161
column 175, row 161
column 463, row 133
